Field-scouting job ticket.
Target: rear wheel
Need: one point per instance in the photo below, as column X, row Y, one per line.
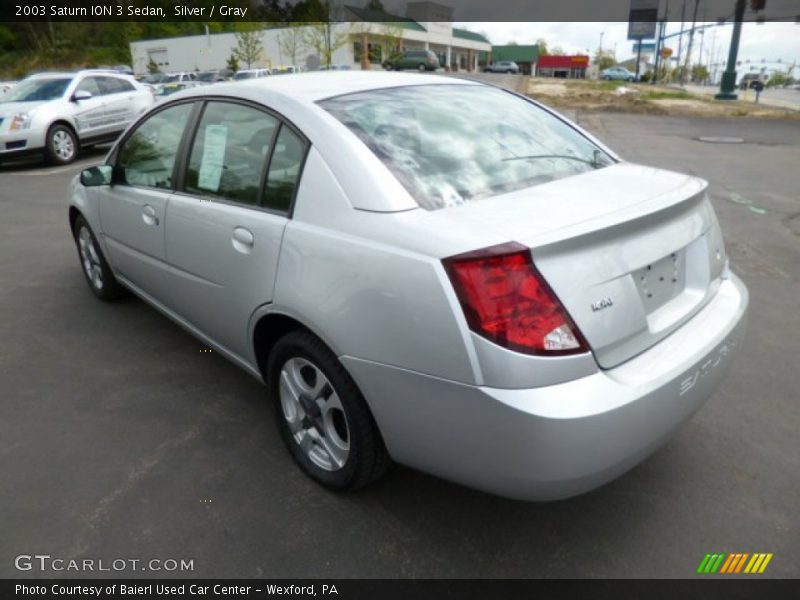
column 322, row 416
column 61, row 145
column 95, row 268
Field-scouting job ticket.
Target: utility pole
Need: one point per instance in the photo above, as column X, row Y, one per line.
column 685, row 69
column 727, row 87
column 660, row 41
column 680, row 36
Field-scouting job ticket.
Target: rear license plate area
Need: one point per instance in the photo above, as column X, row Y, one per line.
column 661, row 281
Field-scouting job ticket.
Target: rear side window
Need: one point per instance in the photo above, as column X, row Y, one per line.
column 147, row 156
column 284, row 170
column 453, row 144
column 230, row 152
column 113, row 85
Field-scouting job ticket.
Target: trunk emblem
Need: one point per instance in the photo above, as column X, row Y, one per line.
column 601, row 304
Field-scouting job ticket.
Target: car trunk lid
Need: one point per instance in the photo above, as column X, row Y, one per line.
column 632, row 252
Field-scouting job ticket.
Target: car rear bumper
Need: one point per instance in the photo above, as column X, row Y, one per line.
column 561, row 440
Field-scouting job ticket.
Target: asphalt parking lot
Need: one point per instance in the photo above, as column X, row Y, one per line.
column 119, row 438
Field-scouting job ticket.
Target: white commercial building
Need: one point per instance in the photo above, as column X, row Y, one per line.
column 427, row 26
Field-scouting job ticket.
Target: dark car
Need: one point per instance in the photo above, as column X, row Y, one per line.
column 421, row 60
column 215, row 75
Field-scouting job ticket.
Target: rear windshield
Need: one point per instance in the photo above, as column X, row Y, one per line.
column 452, row 144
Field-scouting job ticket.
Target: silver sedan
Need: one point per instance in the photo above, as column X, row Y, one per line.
column 423, row 270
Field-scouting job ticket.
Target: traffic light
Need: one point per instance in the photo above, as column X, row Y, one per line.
column 757, row 5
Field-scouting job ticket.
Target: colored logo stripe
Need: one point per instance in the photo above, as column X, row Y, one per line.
column 734, row 563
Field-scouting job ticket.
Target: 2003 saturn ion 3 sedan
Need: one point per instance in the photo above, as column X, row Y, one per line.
column 422, row 269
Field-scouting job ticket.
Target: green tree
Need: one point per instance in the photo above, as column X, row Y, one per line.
column 291, row 42
column 604, row 59
column 541, row 43
column 152, row 67
column 777, row 79
column 323, row 35
column 699, row 73
column 233, row 62
column 249, row 46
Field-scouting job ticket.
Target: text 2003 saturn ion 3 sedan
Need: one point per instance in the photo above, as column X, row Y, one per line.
column 422, row 269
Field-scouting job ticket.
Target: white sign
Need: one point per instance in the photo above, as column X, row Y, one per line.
column 213, row 156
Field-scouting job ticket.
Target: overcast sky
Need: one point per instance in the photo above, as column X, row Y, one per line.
column 770, row 41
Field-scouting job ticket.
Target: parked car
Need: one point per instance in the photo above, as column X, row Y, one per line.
column 617, row 74
column 124, row 69
column 214, row 76
column 167, row 89
column 511, row 307
column 421, row 60
column 251, row 74
column 284, row 70
column 751, row 81
column 56, row 113
column 339, row 67
column 153, row 78
column 502, row 66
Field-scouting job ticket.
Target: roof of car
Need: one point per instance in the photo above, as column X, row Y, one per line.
column 311, row 87
column 81, row 72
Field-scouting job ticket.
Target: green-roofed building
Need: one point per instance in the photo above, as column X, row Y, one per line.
column 525, row 56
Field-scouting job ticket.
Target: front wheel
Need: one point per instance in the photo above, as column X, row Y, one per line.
column 421, row 67
column 322, row 416
column 61, row 145
column 95, row 268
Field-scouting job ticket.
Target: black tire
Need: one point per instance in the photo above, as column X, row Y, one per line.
column 422, row 67
column 367, row 459
column 105, row 287
column 61, row 145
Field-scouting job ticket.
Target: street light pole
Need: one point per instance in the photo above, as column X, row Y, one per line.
column 600, row 53
column 727, row 86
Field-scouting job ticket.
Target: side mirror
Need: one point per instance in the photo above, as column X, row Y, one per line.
column 81, row 95
column 97, row 176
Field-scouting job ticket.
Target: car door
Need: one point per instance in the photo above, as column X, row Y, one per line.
column 121, row 102
column 224, row 229
column 133, row 211
column 89, row 114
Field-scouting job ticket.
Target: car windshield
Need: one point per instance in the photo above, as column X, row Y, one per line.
column 452, row 144
column 171, row 78
column 35, row 90
column 244, row 75
column 209, row 76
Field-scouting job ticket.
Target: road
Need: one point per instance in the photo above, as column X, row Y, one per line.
column 779, row 98
column 120, row 438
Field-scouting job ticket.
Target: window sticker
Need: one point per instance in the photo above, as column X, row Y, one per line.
column 213, row 157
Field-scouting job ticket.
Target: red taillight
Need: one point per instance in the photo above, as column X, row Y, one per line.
column 507, row 301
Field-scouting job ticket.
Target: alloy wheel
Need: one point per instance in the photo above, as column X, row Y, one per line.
column 90, row 258
column 63, row 145
column 314, row 413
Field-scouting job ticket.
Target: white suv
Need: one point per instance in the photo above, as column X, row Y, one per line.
column 56, row 113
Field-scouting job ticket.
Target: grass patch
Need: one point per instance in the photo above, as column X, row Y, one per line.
column 668, row 95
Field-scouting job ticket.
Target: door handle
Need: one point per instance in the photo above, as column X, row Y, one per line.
column 243, row 240
column 149, row 215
